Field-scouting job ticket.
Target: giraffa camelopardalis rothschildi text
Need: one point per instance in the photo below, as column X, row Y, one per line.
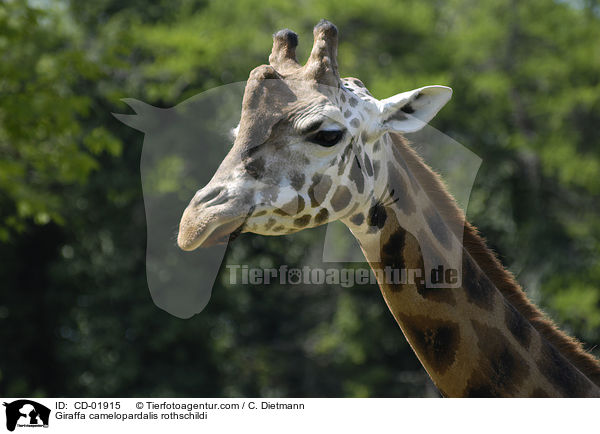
column 313, row 148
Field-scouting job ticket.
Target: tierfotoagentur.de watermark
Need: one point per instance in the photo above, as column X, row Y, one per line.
column 345, row 277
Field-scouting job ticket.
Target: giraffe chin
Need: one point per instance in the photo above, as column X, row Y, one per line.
column 219, row 234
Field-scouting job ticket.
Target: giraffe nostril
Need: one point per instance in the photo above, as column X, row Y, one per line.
column 214, row 196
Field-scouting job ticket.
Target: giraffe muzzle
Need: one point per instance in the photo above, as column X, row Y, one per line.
column 213, row 217
column 206, row 231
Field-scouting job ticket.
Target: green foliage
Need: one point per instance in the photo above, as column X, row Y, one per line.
column 44, row 67
column 72, row 232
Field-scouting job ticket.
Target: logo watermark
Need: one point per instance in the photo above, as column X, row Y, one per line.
column 186, row 144
column 345, row 277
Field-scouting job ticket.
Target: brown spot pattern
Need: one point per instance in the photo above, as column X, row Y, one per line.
column 270, row 223
column 569, row 381
column 318, row 189
column 357, row 219
column 376, row 217
column 398, row 191
column 297, row 180
column 368, row 166
column 501, row 371
column 391, row 250
column 341, row 198
column 302, row 221
column 293, row 207
column 520, row 328
column 414, row 260
column 437, row 226
column 434, row 340
column 356, row 175
column 479, row 289
column 322, row 216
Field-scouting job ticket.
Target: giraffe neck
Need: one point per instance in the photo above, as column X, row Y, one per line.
column 482, row 338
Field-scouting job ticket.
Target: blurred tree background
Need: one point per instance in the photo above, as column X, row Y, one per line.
column 76, row 318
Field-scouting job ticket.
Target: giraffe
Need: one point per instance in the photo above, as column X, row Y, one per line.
column 312, row 148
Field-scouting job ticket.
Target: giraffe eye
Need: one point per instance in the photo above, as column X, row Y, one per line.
column 327, row 137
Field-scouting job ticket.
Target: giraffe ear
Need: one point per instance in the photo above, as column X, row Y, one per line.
column 410, row 111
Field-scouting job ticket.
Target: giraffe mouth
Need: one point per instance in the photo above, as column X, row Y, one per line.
column 222, row 234
column 213, row 234
column 217, row 232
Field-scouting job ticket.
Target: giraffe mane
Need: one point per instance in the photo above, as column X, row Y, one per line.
column 569, row 347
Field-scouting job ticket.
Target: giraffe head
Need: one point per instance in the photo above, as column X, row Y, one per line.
column 307, row 148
